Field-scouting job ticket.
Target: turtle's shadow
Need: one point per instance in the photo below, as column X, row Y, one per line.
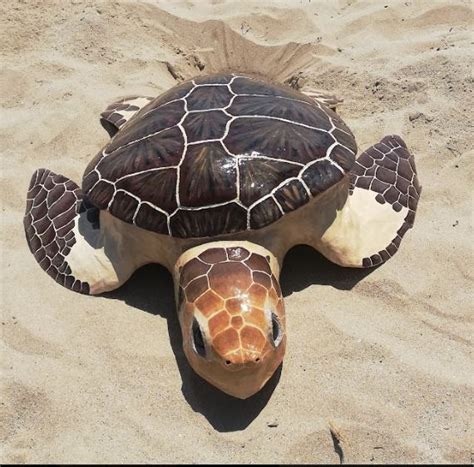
column 151, row 289
column 304, row 266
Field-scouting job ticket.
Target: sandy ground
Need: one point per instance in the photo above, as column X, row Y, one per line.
column 385, row 356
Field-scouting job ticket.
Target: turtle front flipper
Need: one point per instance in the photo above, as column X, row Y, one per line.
column 383, row 196
column 120, row 112
column 64, row 234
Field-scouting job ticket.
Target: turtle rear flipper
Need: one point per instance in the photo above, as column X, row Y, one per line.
column 64, row 234
column 323, row 97
column 121, row 111
column 381, row 207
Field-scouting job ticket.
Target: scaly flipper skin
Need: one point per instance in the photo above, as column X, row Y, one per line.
column 53, row 204
column 120, row 112
column 381, row 206
column 64, row 234
column 389, row 170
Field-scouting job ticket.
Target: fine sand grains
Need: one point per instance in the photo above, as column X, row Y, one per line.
column 379, row 363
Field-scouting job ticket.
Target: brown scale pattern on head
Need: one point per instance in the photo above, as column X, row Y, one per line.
column 231, row 288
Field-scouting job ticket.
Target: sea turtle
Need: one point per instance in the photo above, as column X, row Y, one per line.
column 216, row 179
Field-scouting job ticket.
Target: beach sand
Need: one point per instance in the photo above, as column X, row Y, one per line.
column 382, row 356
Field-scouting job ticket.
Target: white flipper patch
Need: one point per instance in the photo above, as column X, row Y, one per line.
column 64, row 234
column 379, row 210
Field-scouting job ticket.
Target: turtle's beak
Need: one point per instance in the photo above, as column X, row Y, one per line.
column 239, row 351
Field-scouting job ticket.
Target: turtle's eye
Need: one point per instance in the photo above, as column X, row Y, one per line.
column 198, row 341
column 277, row 333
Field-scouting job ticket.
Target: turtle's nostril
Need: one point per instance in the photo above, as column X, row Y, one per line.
column 228, row 362
column 257, row 359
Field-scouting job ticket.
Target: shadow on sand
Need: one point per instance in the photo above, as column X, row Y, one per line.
column 150, row 289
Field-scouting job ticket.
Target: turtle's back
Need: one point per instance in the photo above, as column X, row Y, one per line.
column 219, row 154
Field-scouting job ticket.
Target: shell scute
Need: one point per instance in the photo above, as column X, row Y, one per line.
column 220, row 154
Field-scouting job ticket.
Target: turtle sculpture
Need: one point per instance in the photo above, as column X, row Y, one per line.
column 216, row 179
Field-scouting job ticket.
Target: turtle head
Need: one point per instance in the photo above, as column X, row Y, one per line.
column 231, row 314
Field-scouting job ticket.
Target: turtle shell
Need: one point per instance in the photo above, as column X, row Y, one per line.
column 219, row 154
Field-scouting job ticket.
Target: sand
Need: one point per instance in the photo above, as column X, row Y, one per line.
column 383, row 356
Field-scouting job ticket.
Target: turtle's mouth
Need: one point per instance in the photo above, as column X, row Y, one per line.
column 241, row 373
column 240, row 380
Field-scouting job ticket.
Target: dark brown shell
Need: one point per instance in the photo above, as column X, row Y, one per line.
column 219, row 154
